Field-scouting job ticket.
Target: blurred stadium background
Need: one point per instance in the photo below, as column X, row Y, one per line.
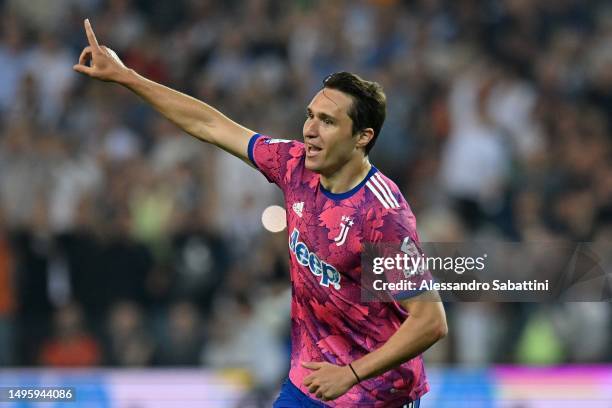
column 137, row 257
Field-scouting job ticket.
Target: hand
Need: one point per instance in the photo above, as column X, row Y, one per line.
column 328, row 381
column 105, row 64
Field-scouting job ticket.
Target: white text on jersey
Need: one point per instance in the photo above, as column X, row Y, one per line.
column 329, row 275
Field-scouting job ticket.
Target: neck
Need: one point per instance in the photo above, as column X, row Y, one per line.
column 347, row 177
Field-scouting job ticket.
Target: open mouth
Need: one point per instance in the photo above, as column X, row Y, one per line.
column 312, row 150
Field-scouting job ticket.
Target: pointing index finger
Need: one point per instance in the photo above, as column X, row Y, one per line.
column 91, row 37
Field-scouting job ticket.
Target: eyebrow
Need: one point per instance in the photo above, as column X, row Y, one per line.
column 321, row 115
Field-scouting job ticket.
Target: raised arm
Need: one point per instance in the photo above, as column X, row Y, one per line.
column 193, row 116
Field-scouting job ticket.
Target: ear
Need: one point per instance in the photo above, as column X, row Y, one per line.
column 364, row 136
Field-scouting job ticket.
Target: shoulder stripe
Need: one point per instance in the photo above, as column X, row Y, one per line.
column 377, row 194
column 384, row 183
column 383, row 192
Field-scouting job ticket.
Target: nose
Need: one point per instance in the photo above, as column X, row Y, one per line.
column 311, row 129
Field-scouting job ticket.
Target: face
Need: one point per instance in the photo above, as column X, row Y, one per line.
column 328, row 132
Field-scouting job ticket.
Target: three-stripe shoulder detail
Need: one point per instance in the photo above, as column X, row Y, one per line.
column 381, row 190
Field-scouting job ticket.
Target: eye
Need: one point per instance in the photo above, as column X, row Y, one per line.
column 328, row 122
column 309, row 115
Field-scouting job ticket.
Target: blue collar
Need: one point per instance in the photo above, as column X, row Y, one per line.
column 347, row 194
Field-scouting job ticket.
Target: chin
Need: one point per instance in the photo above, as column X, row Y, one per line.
column 312, row 166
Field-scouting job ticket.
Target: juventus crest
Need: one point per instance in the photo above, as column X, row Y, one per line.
column 345, row 225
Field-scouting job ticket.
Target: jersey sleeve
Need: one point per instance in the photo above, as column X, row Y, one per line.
column 277, row 159
column 393, row 235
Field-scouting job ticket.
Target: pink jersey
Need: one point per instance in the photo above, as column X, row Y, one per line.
column 329, row 322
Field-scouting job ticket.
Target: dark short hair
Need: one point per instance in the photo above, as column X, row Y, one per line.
column 369, row 106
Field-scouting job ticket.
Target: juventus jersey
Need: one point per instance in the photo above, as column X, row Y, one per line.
column 326, row 232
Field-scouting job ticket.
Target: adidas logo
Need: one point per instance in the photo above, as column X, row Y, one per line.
column 298, row 208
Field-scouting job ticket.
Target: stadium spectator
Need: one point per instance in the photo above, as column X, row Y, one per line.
column 71, row 344
column 7, row 296
column 183, row 337
column 128, row 342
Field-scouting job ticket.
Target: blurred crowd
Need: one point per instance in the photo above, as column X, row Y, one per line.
column 124, row 242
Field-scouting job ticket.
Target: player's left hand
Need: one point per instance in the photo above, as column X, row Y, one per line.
column 105, row 64
column 328, row 381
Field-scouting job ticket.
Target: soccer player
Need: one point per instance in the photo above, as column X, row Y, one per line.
column 345, row 352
